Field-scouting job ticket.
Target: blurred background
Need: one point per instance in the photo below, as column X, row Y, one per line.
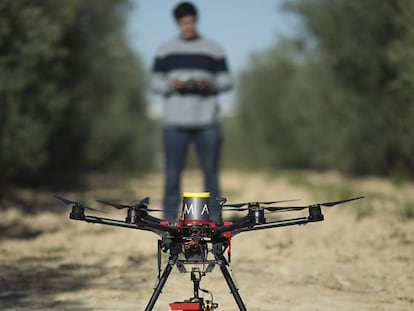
column 326, row 85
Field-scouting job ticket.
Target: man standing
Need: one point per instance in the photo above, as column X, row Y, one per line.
column 190, row 70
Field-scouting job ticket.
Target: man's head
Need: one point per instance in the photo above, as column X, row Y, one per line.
column 185, row 15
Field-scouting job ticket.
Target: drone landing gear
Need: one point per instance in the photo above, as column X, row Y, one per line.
column 196, row 303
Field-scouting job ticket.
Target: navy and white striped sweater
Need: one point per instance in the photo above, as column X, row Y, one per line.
column 194, row 59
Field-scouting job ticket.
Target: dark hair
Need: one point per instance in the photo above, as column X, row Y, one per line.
column 184, row 9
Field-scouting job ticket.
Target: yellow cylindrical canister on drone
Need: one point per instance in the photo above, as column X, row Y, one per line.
column 196, row 208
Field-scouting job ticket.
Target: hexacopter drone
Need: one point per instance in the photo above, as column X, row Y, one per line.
column 197, row 241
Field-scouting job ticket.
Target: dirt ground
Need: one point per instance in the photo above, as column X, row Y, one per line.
column 360, row 258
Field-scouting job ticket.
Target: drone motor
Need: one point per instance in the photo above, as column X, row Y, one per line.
column 133, row 215
column 315, row 213
column 257, row 213
column 77, row 213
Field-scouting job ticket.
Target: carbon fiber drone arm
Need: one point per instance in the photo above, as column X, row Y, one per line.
column 315, row 215
column 112, row 222
column 157, row 226
column 144, row 223
column 274, row 224
column 244, row 222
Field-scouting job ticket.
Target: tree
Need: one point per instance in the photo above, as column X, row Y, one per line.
column 286, row 102
column 343, row 97
column 362, row 42
column 71, row 89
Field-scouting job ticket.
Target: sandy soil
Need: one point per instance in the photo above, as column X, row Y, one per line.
column 360, row 258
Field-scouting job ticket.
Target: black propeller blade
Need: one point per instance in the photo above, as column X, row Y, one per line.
column 237, row 206
column 142, row 205
column 329, row 204
column 78, row 204
column 118, row 206
column 286, row 208
column 298, row 208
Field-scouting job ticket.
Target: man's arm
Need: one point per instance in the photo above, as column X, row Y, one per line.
column 223, row 80
column 159, row 82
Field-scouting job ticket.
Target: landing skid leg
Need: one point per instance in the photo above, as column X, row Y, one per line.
column 161, row 282
column 233, row 288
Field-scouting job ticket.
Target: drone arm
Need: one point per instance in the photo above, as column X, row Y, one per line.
column 141, row 224
column 156, row 225
column 239, row 224
column 152, row 219
column 218, row 251
column 161, row 281
column 315, row 215
column 112, row 222
column 275, row 224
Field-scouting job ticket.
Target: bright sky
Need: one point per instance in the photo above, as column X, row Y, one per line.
column 239, row 26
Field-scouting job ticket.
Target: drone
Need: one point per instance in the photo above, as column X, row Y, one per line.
column 197, row 242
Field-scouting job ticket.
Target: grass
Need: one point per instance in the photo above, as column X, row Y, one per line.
column 401, row 237
column 364, row 211
column 299, row 179
column 279, row 245
column 326, row 190
column 53, row 249
column 406, row 211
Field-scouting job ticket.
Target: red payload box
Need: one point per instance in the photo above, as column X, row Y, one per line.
column 187, row 306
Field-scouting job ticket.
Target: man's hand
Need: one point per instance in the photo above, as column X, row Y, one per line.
column 176, row 84
column 205, row 85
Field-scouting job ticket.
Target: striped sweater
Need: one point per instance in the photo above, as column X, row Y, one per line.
column 195, row 60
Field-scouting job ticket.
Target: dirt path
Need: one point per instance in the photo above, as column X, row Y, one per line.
column 360, row 258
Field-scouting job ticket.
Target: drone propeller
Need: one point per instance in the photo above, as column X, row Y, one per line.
column 237, row 206
column 78, row 204
column 289, row 208
column 142, row 205
column 329, row 204
column 298, row 208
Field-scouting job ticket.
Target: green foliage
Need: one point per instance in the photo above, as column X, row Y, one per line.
column 52, row 250
column 284, row 116
column 71, row 89
column 340, row 97
column 29, row 48
column 361, row 42
column 406, row 211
